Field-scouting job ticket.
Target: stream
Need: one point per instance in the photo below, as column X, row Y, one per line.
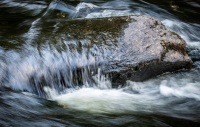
column 38, row 85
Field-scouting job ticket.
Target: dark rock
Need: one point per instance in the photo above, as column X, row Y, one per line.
column 127, row 48
column 150, row 50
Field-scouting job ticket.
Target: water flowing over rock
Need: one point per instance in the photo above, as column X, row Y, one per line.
column 126, row 48
column 69, row 53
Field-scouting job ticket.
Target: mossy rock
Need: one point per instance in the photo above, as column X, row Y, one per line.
column 126, row 48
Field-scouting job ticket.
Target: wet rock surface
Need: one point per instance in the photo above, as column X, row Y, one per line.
column 71, row 52
column 127, row 48
column 150, row 50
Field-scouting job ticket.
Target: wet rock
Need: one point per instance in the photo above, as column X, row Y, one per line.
column 126, row 48
column 150, row 50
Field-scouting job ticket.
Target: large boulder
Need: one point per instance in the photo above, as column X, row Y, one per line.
column 147, row 49
column 126, row 48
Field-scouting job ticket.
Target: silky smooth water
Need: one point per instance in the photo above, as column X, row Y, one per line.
column 38, row 84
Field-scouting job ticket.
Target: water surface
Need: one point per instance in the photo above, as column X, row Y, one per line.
column 38, row 86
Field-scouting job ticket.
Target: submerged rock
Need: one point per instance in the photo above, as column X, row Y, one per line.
column 126, row 48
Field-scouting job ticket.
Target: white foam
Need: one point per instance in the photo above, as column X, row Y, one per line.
column 190, row 90
column 83, row 9
column 98, row 101
column 83, row 5
column 108, row 100
column 108, row 13
column 136, row 96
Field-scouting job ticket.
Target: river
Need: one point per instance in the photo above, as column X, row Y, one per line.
column 37, row 86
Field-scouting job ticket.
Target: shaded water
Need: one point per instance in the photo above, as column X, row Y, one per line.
column 38, row 84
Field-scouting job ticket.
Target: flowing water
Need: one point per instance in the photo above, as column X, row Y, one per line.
column 38, row 84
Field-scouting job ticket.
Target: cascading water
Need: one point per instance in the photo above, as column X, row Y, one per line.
column 54, row 80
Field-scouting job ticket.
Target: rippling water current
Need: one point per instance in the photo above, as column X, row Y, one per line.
column 38, row 86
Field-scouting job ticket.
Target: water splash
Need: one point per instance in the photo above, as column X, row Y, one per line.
column 189, row 32
column 149, row 96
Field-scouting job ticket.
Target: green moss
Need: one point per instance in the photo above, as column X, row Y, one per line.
column 83, row 33
column 172, row 46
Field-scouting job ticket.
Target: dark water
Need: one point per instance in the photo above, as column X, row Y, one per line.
column 39, row 88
